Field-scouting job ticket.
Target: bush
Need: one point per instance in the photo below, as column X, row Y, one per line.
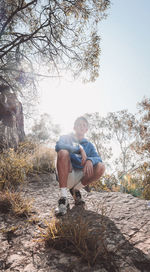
column 146, row 192
column 43, row 159
column 73, row 235
column 27, row 147
column 15, row 203
column 98, row 186
column 106, row 183
column 146, row 181
column 15, row 165
column 14, row 168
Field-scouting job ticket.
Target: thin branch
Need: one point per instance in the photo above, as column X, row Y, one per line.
column 34, row 74
column 14, row 13
column 23, row 39
column 4, row 80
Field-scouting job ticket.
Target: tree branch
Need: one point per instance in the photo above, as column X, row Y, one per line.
column 14, row 13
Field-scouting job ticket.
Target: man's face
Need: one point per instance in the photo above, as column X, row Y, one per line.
column 81, row 128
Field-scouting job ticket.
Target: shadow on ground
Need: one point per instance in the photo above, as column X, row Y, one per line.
column 120, row 254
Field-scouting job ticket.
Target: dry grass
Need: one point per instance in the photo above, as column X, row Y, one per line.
column 13, row 202
column 99, row 186
column 29, row 157
column 43, row 159
column 9, row 232
column 14, row 168
column 75, row 236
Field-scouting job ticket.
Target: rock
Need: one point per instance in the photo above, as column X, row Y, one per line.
column 11, row 119
column 4, row 247
column 29, row 268
column 126, row 224
column 15, row 260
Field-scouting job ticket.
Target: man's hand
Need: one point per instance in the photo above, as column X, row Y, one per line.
column 88, row 169
column 84, row 157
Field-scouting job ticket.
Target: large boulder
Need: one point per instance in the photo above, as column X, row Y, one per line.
column 11, row 119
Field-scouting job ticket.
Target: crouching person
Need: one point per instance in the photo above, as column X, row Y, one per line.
column 78, row 164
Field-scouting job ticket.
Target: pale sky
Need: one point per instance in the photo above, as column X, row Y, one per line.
column 124, row 73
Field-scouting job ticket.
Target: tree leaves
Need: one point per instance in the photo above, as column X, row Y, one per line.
column 55, row 32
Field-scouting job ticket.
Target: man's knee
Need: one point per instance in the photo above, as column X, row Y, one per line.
column 62, row 154
column 99, row 170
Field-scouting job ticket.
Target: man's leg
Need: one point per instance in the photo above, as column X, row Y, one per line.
column 98, row 171
column 63, row 168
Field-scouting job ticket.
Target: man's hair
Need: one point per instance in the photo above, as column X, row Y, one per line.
column 81, row 118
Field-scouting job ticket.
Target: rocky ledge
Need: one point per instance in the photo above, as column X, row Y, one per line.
column 127, row 231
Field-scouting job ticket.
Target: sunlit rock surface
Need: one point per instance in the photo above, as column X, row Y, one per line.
column 127, row 231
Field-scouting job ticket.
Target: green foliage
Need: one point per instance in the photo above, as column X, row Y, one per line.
column 106, row 183
column 146, row 181
column 146, row 192
column 59, row 34
column 99, row 134
column 98, row 186
column 135, row 192
column 142, row 143
column 142, row 146
column 122, row 132
column 44, row 130
column 123, row 127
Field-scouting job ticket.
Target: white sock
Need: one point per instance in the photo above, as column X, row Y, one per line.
column 78, row 186
column 63, row 192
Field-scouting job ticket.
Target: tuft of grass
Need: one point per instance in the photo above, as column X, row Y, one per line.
column 15, row 203
column 73, row 235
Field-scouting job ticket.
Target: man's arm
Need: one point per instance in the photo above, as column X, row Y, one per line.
column 63, row 144
column 94, row 156
column 91, row 161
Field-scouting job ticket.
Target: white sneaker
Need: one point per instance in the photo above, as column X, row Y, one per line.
column 63, row 206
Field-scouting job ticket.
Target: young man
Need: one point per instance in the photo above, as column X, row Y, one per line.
column 78, row 164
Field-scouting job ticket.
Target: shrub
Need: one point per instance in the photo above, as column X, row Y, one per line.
column 14, row 168
column 146, row 181
column 73, row 235
column 137, row 192
column 106, row 183
column 146, row 192
column 43, row 159
column 98, row 186
column 27, row 147
column 15, row 203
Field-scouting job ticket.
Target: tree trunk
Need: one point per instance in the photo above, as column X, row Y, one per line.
column 11, row 119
